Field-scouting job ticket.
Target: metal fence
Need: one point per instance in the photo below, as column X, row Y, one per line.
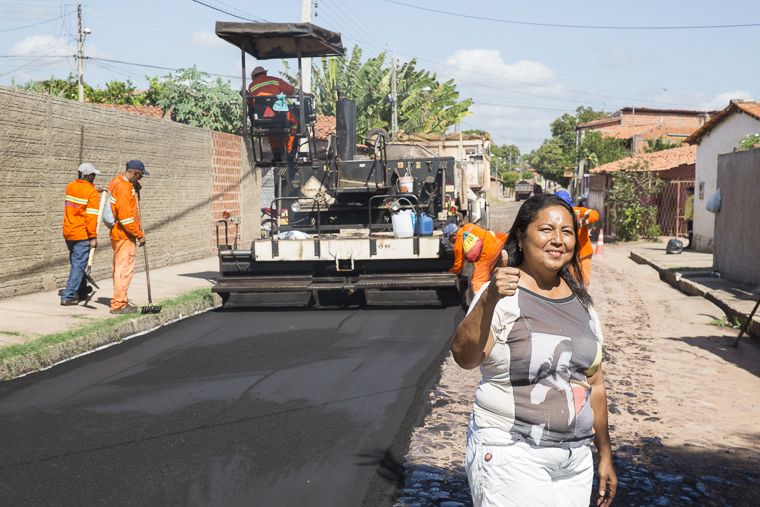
column 671, row 203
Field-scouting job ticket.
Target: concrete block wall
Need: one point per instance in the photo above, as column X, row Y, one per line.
column 43, row 139
column 737, row 227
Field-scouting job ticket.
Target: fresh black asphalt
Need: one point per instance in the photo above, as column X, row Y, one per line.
column 264, row 408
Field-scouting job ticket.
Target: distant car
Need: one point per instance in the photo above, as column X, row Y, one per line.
column 523, row 190
column 537, row 189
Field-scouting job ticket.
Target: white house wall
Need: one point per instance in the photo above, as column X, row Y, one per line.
column 722, row 139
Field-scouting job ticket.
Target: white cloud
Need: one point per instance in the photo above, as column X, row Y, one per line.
column 722, row 100
column 38, row 45
column 504, row 95
column 207, row 39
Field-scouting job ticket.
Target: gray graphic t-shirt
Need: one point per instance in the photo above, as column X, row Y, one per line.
column 535, row 378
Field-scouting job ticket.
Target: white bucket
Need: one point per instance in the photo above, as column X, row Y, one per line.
column 406, row 184
column 402, row 225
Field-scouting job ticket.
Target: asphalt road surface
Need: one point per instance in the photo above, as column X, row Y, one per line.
column 274, row 408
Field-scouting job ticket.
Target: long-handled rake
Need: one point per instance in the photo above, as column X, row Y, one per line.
column 151, row 308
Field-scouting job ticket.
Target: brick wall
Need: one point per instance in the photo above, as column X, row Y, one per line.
column 43, row 140
column 673, row 120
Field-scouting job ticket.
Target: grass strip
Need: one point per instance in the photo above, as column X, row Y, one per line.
column 43, row 343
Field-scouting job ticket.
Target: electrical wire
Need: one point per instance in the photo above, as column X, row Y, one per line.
column 585, row 27
column 229, row 13
column 153, row 66
column 29, row 26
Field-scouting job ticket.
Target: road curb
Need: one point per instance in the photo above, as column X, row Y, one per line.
column 691, row 288
column 28, row 363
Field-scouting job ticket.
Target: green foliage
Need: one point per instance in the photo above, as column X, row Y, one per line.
column 190, row 97
column 628, row 198
column 509, row 178
column 598, row 150
column 749, row 141
column 559, row 152
column 526, row 175
column 369, row 84
column 549, row 161
column 505, row 157
column 660, row 144
column 115, row 92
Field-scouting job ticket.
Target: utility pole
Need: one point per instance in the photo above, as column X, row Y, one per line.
column 306, row 70
column 79, row 53
column 394, row 108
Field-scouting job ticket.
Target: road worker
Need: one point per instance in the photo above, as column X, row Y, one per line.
column 477, row 245
column 261, row 84
column 80, row 230
column 125, row 233
column 585, row 216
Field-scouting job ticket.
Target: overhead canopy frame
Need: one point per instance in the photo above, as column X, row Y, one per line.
column 268, row 41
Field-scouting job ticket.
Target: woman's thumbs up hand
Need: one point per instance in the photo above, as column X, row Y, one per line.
column 504, row 279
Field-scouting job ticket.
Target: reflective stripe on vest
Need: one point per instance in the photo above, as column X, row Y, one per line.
column 265, row 83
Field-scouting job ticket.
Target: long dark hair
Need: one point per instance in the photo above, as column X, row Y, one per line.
column 571, row 272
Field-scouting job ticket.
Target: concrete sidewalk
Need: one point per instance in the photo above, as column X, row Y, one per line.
column 37, row 314
column 692, row 273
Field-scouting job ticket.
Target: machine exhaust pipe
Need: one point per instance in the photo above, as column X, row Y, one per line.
column 345, row 128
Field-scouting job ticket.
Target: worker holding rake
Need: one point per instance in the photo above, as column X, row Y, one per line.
column 126, row 233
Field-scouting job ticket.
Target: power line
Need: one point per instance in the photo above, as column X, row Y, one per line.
column 35, row 24
column 228, row 12
column 152, row 66
column 585, row 27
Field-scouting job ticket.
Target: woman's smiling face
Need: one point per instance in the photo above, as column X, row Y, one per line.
column 549, row 241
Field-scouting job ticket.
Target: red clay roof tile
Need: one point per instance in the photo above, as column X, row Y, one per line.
column 657, row 161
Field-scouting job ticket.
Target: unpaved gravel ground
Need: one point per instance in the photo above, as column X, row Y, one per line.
column 684, row 409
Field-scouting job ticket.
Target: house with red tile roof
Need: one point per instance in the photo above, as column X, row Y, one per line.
column 719, row 135
column 675, row 166
column 640, row 124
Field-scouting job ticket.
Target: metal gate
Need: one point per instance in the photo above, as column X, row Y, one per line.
column 672, row 203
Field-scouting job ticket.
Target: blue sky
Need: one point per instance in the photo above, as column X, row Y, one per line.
column 521, row 77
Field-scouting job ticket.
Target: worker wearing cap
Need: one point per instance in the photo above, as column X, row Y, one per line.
column 261, row 84
column 492, row 243
column 688, row 214
column 80, row 230
column 585, row 216
column 125, row 233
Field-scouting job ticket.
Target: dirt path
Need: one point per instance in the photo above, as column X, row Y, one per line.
column 684, row 414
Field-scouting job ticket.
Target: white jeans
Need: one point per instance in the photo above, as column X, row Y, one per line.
column 506, row 473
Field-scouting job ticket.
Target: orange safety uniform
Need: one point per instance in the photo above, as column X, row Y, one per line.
column 493, row 244
column 268, row 85
column 123, row 236
column 585, row 250
column 80, row 220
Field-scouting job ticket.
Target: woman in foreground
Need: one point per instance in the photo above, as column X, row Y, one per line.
column 542, row 399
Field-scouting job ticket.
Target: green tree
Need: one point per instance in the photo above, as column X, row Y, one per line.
column 115, row 92
column 526, row 175
column 505, row 157
column 189, row 96
column 561, row 151
column 598, row 149
column 660, row 144
column 631, row 214
column 549, row 161
column 509, row 178
column 418, row 110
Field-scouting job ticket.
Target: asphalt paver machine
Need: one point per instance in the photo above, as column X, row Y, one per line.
column 346, row 229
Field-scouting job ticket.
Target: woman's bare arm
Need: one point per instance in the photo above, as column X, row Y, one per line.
column 473, row 340
column 607, row 478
